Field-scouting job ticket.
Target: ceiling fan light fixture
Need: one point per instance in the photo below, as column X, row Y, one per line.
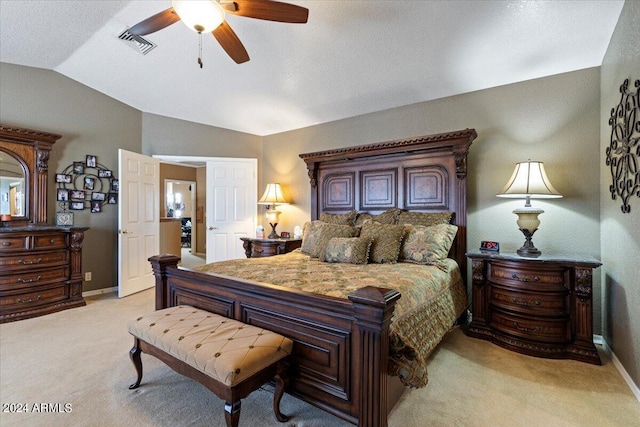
column 202, row 16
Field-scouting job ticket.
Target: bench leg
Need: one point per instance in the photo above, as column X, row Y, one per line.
column 232, row 413
column 281, row 382
column 134, row 354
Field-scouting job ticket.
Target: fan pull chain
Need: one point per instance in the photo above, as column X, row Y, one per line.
column 200, row 50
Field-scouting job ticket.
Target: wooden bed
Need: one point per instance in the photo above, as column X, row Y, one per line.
column 341, row 346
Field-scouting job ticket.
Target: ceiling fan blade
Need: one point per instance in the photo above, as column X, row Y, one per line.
column 230, row 43
column 155, row 22
column 268, row 10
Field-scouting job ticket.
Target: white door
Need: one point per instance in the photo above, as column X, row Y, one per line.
column 138, row 221
column 231, row 207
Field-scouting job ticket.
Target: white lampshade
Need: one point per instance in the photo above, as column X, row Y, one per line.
column 272, row 195
column 529, row 181
column 202, row 16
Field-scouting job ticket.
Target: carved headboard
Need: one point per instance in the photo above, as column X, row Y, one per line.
column 422, row 174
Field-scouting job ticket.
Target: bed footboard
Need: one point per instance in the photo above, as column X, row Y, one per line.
column 341, row 347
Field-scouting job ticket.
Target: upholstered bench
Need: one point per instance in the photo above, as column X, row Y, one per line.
column 229, row 357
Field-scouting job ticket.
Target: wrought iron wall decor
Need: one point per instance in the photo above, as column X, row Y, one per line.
column 87, row 184
column 623, row 152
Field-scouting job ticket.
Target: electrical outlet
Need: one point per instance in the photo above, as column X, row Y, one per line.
column 87, row 276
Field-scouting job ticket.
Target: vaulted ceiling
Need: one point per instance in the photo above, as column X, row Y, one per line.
column 351, row 58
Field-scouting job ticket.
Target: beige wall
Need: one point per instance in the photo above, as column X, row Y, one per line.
column 620, row 237
column 91, row 123
column 554, row 119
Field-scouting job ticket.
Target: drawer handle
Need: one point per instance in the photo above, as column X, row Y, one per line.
column 259, row 251
column 52, row 241
column 6, row 243
column 21, row 280
column 523, row 329
column 524, row 279
column 526, row 303
column 30, row 300
column 30, row 262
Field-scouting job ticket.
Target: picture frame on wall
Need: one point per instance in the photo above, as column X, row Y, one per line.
column 89, row 183
column 77, row 195
column 115, row 185
column 76, row 206
column 98, row 196
column 96, row 207
column 92, row 161
column 104, row 173
column 62, row 178
column 78, row 168
column 62, row 195
column 112, row 198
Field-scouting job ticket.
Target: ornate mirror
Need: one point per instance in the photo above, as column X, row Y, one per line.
column 13, row 186
column 24, row 157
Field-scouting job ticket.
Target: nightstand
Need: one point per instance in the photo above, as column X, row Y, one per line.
column 255, row 248
column 536, row 306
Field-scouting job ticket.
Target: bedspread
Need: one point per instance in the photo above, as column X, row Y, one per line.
column 432, row 298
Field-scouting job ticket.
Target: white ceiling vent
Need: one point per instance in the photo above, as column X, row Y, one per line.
column 136, row 42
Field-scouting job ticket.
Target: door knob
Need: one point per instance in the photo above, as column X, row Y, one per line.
column 124, row 231
column 211, row 227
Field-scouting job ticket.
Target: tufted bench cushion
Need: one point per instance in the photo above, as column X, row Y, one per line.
column 229, row 352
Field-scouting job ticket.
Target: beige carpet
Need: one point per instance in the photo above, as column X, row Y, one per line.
column 80, row 357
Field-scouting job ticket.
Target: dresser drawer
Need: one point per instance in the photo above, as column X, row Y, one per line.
column 542, row 330
column 32, row 261
column 13, row 243
column 535, row 303
column 259, row 250
column 529, row 278
column 51, row 241
column 44, row 295
column 33, row 277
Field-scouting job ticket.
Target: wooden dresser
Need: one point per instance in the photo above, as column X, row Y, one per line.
column 537, row 306
column 40, row 264
column 40, row 270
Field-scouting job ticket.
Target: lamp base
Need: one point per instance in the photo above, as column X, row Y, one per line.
column 273, row 234
column 528, row 249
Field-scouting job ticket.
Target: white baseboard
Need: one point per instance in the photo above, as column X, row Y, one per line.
column 599, row 339
column 99, row 292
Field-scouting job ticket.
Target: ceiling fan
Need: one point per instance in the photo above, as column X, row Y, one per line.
column 204, row 16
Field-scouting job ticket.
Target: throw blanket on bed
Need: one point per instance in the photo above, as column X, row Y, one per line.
column 432, row 298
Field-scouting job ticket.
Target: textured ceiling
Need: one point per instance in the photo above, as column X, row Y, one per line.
column 351, row 58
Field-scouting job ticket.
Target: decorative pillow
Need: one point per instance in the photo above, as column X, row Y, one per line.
column 351, row 250
column 310, row 236
column 317, row 233
column 386, row 241
column 387, row 217
column 424, row 218
column 342, row 219
column 427, row 245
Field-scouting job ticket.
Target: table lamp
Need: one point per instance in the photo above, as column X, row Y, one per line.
column 529, row 181
column 272, row 197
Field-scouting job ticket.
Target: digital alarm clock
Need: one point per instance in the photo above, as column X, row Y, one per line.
column 489, row 246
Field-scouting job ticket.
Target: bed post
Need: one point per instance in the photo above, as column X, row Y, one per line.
column 373, row 308
column 159, row 264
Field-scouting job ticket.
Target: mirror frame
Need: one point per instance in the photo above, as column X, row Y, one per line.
column 31, row 148
column 26, row 185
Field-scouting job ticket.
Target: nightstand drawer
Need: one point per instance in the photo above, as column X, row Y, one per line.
column 547, row 331
column 535, row 278
column 530, row 302
column 259, row 250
